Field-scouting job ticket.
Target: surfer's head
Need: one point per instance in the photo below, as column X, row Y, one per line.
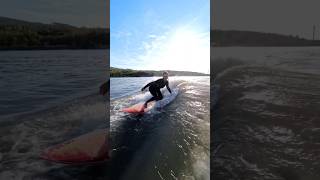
column 165, row 75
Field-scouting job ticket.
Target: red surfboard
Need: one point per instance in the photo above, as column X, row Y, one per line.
column 86, row 149
column 139, row 108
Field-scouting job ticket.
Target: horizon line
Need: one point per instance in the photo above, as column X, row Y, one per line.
column 161, row 70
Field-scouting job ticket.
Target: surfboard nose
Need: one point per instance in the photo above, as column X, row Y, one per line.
column 92, row 147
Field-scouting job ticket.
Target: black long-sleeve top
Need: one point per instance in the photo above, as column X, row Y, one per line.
column 160, row 83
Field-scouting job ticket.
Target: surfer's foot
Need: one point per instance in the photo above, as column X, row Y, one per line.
column 145, row 105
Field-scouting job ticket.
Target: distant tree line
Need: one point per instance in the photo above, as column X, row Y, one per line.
column 249, row 38
column 51, row 36
column 118, row 72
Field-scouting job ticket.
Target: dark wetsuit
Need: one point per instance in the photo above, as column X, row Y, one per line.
column 154, row 88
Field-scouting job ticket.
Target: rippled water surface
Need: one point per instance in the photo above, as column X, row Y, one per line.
column 266, row 113
column 52, row 96
column 170, row 142
column 48, row 97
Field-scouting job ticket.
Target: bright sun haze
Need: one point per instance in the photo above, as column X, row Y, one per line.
column 160, row 35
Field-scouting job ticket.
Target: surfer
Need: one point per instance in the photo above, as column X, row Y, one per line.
column 155, row 86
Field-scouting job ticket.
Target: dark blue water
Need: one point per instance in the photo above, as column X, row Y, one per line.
column 32, row 80
column 168, row 142
column 120, row 87
column 266, row 113
column 52, row 96
column 48, row 97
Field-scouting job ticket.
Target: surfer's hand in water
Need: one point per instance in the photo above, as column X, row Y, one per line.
column 142, row 89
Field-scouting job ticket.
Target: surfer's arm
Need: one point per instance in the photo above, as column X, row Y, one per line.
column 167, row 85
column 146, row 86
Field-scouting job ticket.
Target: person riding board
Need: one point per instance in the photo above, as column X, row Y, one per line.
column 155, row 86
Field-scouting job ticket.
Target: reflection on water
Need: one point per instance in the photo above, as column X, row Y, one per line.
column 170, row 143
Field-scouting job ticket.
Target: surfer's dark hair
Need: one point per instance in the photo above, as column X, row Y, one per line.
column 165, row 72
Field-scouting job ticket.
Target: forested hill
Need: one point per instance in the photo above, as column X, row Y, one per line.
column 250, row 38
column 18, row 34
column 118, row 72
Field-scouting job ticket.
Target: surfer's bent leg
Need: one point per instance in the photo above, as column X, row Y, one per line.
column 151, row 99
column 154, row 94
column 159, row 95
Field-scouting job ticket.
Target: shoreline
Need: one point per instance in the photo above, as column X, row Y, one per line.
column 208, row 75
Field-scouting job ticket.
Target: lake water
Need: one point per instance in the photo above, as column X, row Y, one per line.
column 52, row 96
column 265, row 116
column 170, row 142
column 48, row 97
column 266, row 113
column 32, row 80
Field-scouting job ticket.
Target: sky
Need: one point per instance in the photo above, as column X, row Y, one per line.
column 89, row 13
column 291, row 17
column 160, row 35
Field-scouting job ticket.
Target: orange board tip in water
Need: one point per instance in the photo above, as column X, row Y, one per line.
column 89, row 148
column 139, row 108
